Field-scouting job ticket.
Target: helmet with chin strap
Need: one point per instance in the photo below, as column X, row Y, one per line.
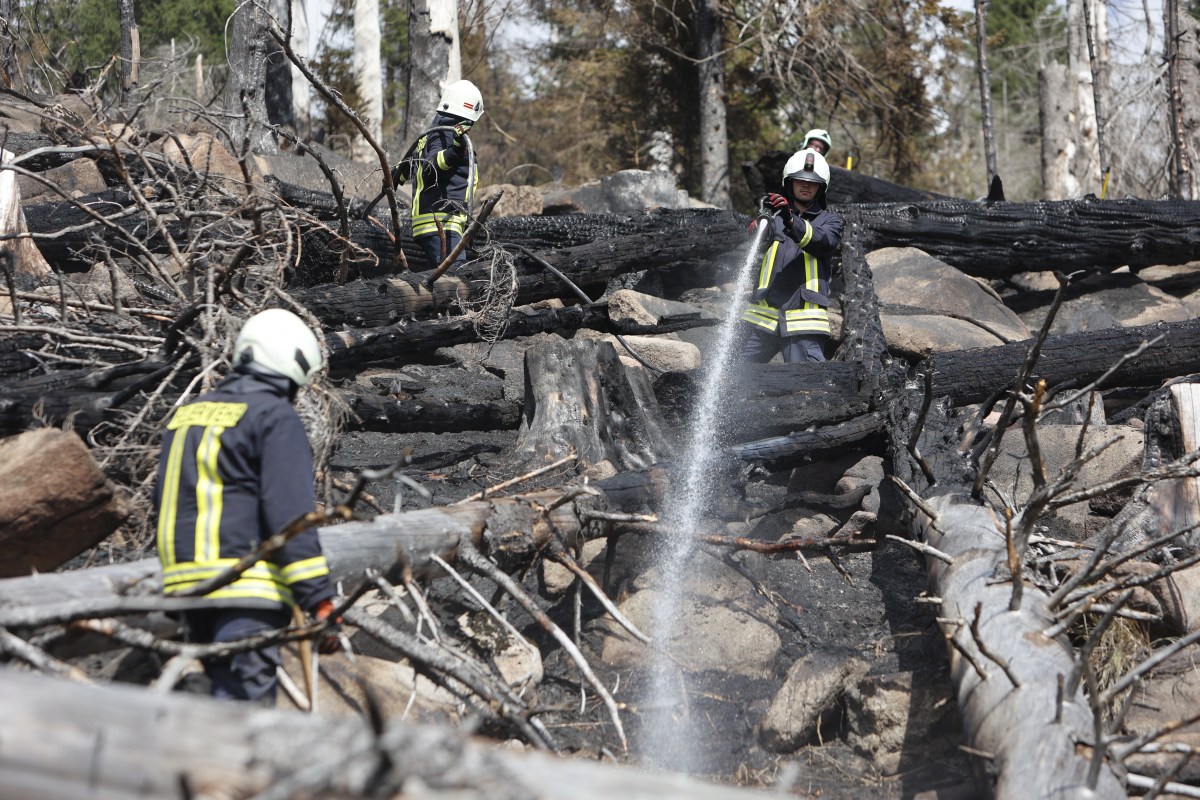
column 277, row 342
column 806, row 165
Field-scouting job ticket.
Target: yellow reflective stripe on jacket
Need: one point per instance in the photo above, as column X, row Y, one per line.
column 262, row 581
column 298, row 571
column 808, row 232
column 762, row 315
column 767, row 268
column 209, row 496
column 806, row 320
column 169, row 503
column 428, row 223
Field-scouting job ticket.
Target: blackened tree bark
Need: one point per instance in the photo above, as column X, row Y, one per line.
column 246, row 88
column 279, row 92
column 714, row 136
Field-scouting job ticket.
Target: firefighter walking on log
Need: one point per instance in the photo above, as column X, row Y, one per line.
column 788, row 311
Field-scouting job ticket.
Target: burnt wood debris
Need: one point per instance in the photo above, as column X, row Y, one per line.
column 119, row 299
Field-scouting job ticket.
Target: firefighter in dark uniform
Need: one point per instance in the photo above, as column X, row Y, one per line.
column 235, row 468
column 788, row 311
column 445, row 175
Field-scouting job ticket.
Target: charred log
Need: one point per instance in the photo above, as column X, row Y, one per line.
column 1003, row 239
column 590, row 266
column 390, row 415
column 348, row 348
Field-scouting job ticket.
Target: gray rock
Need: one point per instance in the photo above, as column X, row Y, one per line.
column 916, row 336
column 699, row 636
column 630, row 309
column 1127, row 306
column 1011, row 472
column 811, row 688
column 622, row 192
column 898, row 715
column 906, row 276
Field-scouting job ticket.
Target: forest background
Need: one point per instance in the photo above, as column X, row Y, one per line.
column 578, row 89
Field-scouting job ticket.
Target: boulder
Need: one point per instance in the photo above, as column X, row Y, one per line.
column 909, row 278
column 55, row 501
column 622, row 192
column 1057, row 442
column 1129, row 303
column 917, row 336
column 811, row 689
column 517, row 201
column 74, row 179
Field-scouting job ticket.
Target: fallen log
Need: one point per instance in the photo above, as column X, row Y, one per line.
column 1004, row 239
column 845, row 185
column 385, row 301
column 784, row 398
column 1036, row 739
column 356, row 346
column 390, row 415
column 505, row 528
column 65, row 740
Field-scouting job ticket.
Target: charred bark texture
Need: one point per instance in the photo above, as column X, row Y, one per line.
column 349, row 348
column 845, row 186
column 580, row 398
column 1004, row 239
column 590, row 266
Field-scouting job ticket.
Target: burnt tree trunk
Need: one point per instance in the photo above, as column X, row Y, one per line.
column 384, row 301
column 1004, row 239
column 580, row 398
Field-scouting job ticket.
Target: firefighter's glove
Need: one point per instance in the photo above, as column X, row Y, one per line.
column 330, row 641
column 782, row 207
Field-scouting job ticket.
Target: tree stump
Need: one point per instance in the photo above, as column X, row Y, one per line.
column 580, row 397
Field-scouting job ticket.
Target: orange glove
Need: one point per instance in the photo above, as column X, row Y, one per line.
column 329, row 641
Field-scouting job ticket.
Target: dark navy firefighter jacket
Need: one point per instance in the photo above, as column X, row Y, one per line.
column 235, row 468
column 791, row 295
column 444, row 181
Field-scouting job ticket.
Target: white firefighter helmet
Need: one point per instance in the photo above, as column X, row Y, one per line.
column 462, row 99
column 806, row 165
column 277, row 342
column 821, row 135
